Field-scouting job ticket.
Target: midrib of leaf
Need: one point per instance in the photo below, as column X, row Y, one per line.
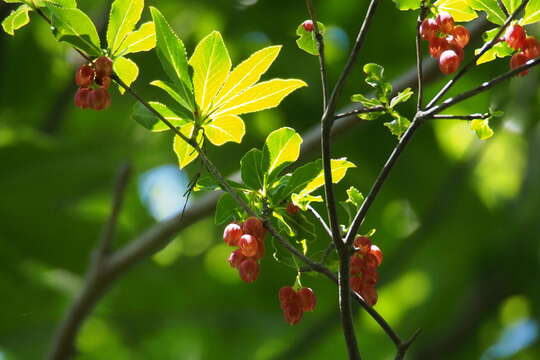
column 489, row 10
column 532, row 15
column 253, row 101
column 207, row 75
column 120, row 27
column 220, row 129
column 135, row 43
column 223, row 98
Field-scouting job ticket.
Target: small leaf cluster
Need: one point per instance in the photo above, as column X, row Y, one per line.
column 375, row 78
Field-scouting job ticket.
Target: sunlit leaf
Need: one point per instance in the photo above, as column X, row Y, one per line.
column 224, row 129
column 282, row 147
column 299, row 179
column 211, row 65
column 259, row 97
column 399, row 125
column 307, row 40
column 511, row 5
column 353, row 202
column 493, row 12
column 16, row 19
column 172, row 55
column 127, row 71
column 339, row 170
column 168, row 88
column 499, row 50
column 247, row 73
column 75, row 27
column 401, row 97
column 185, row 152
column 459, row 9
column 251, row 169
column 532, row 12
column 122, row 20
column 482, row 129
column 407, row 4
column 150, row 120
column 143, row 39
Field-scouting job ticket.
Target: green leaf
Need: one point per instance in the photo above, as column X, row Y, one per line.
column 511, row 5
column 493, row 12
column 176, row 96
column 299, row 179
column 150, row 121
column 282, row 147
column 211, row 65
column 366, row 102
column 126, row 70
column 339, row 170
column 459, row 9
column 75, row 27
column 402, row 97
column 375, row 78
column 223, row 129
column 353, row 202
column 532, row 13
column 185, row 152
column 172, row 55
column 226, row 209
column 399, row 125
column 122, row 20
column 499, row 50
column 144, row 39
column 67, row 4
column 16, row 19
column 482, row 129
column 307, row 40
column 407, row 4
column 251, row 169
column 303, row 200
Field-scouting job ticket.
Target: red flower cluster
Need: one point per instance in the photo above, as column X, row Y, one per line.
column 446, row 41
column 527, row 46
column 363, row 268
column 94, row 81
column 248, row 237
column 294, row 303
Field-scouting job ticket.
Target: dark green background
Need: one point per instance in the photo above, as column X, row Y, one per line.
column 458, row 220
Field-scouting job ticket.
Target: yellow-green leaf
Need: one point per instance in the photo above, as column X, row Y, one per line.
column 259, row 97
column 211, row 65
column 459, row 9
column 281, row 148
column 123, row 17
column 492, row 9
column 153, row 123
column 126, row 70
column 482, row 129
column 224, row 129
column 144, row 39
column 185, row 152
column 532, row 13
column 16, row 19
column 339, row 170
column 247, row 73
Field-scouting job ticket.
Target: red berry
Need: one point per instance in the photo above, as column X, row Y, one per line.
column 531, row 48
column 362, row 244
column 459, row 51
column 517, row 60
column 99, row 99
column 84, row 76
column 292, row 209
column 249, row 270
column 436, row 47
column 377, row 253
column 355, row 265
column 286, row 294
column 370, row 295
column 308, row 25
column 104, row 66
column 307, row 299
column 293, row 312
column 232, row 234
column 429, row 29
column 449, row 62
column 254, row 226
column 445, row 22
column 236, row 258
column 515, row 36
column 81, row 98
column 248, row 245
column 461, row 36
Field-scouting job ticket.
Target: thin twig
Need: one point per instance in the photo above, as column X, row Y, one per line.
column 462, row 117
column 320, row 48
column 321, row 220
column 482, row 51
column 359, row 111
column 419, row 70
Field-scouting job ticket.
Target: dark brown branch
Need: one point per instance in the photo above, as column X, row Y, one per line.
column 482, row 51
column 320, row 48
column 419, row 70
column 359, row 111
column 462, row 117
column 321, row 220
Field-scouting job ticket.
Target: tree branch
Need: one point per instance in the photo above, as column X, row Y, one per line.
column 320, row 48
column 320, row 219
column 462, row 117
column 359, row 111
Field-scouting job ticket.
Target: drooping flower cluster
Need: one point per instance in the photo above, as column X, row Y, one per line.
column 363, row 268
column 446, row 41
column 527, row 46
column 294, row 303
column 94, row 81
column 248, row 237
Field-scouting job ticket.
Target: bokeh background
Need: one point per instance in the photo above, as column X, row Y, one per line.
column 458, row 220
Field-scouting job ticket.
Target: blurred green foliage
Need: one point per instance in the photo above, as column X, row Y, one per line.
column 458, row 220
